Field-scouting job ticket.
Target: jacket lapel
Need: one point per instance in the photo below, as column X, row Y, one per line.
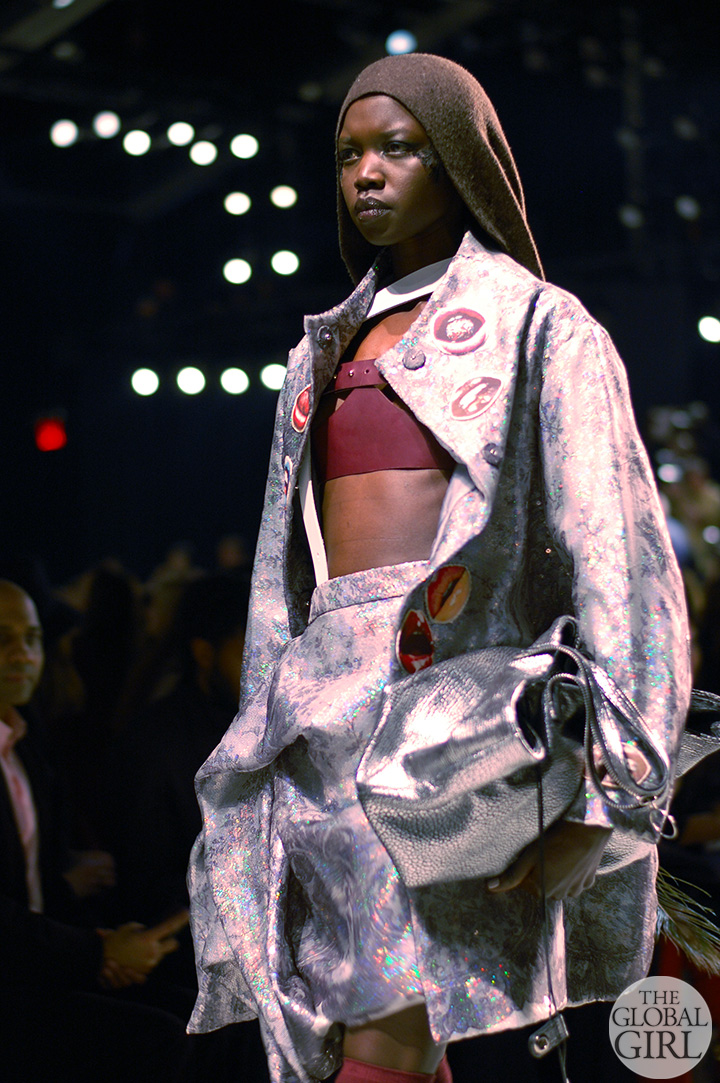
column 312, row 363
column 457, row 369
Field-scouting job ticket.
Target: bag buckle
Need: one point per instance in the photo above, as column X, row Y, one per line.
column 552, row 1033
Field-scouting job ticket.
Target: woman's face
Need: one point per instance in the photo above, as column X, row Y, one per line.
column 392, row 194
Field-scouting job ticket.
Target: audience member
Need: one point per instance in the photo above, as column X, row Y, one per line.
column 102, row 651
column 153, row 817
column 231, row 554
column 152, row 677
column 55, row 1013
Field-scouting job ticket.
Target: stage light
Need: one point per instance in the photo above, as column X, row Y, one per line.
column 136, row 143
column 235, row 381
column 709, row 328
column 203, row 152
column 237, row 271
column 237, row 203
column 310, row 92
column 180, row 133
column 685, row 128
column 273, row 376
column 283, row 196
column 106, row 124
column 64, row 133
column 670, row 473
column 628, row 138
column 711, row 534
column 284, row 263
column 62, row 3
column 190, row 380
column 688, row 208
column 50, row 434
column 631, row 216
column 68, row 52
column 145, row 382
column 244, row 146
column 400, row 41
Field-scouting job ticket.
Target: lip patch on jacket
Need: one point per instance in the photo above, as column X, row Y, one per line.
column 461, row 330
column 448, row 592
column 475, row 396
column 414, row 644
column 301, row 409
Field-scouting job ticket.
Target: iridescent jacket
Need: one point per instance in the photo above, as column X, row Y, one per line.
column 552, row 507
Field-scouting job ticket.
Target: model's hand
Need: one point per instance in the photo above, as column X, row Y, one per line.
column 572, row 855
column 132, row 951
column 637, row 764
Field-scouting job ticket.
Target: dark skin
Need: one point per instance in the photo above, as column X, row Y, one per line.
column 383, row 518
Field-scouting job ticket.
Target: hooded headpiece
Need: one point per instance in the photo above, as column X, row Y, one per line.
column 463, row 127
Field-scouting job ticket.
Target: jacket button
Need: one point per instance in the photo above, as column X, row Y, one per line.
column 324, row 336
column 492, row 454
column 414, row 359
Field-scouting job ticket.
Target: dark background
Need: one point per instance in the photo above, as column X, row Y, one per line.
column 109, row 262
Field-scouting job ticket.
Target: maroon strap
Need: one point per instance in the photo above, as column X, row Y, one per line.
column 368, row 433
column 355, row 374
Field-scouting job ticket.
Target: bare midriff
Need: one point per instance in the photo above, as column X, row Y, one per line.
column 386, row 516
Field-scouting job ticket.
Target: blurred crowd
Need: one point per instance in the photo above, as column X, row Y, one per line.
column 678, row 437
column 113, row 691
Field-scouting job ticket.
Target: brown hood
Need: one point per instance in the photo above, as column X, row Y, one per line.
column 463, row 127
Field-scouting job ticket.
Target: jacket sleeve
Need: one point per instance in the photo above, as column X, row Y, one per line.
column 235, row 796
column 603, row 510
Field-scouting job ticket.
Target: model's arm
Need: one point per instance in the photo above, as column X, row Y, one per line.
column 602, row 507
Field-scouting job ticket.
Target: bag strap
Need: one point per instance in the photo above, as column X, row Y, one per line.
column 611, row 721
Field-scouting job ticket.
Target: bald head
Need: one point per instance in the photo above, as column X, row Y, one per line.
column 21, row 650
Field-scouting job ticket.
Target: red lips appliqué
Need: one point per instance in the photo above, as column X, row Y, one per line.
column 475, row 396
column 415, row 642
column 301, row 410
column 460, row 331
column 448, row 592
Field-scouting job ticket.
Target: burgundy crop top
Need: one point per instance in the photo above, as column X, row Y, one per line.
column 370, row 431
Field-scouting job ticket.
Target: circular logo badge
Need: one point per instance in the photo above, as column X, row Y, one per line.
column 474, row 396
column 301, row 409
column 660, row 1027
column 460, row 330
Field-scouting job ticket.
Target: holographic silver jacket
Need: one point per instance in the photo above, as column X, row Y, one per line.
column 553, row 508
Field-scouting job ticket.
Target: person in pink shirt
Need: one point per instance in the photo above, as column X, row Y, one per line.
column 49, row 962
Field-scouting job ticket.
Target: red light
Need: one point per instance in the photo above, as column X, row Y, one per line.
column 50, row 433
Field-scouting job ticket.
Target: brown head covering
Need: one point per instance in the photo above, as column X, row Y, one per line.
column 463, row 127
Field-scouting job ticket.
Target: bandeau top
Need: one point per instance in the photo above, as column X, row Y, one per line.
column 369, row 431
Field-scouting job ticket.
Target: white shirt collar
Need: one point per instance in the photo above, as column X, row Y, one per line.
column 419, row 283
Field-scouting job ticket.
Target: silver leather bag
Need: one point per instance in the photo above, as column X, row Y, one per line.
column 451, row 778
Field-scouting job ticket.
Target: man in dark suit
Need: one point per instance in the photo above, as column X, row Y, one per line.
column 55, row 1001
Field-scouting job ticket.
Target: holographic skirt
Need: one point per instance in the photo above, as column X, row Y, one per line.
column 348, row 917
